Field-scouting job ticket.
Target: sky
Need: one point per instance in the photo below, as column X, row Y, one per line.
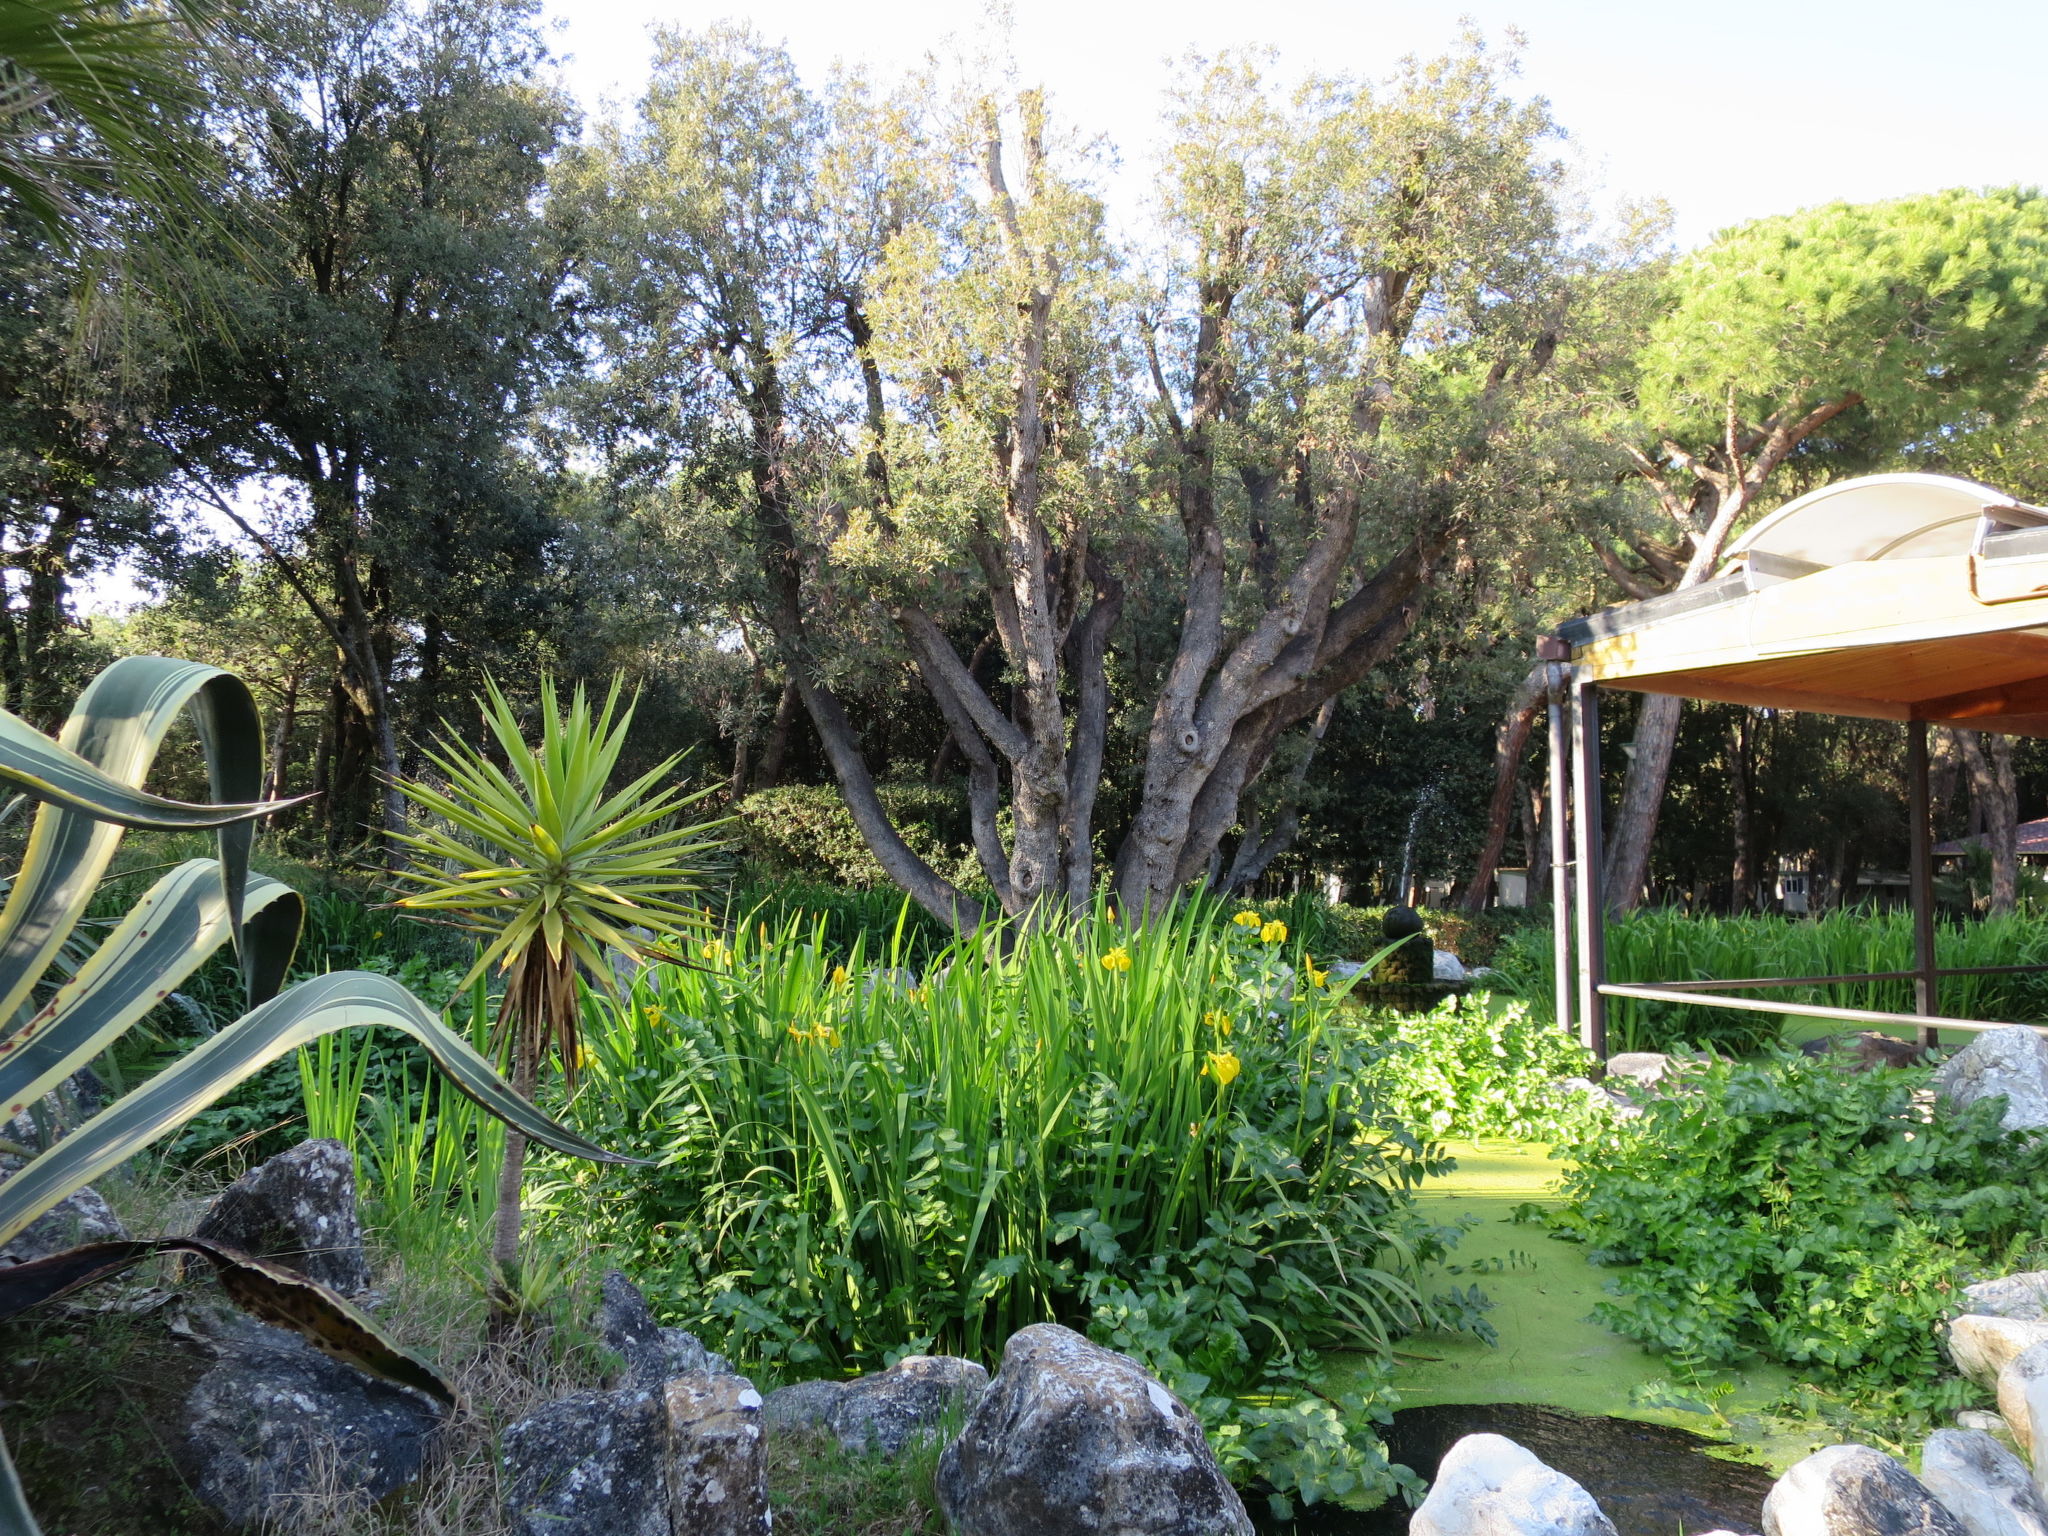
column 1729, row 111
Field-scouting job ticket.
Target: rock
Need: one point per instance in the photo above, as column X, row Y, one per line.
column 801, row 1405
column 1981, row 1346
column 718, row 1461
column 1644, row 1069
column 83, row 1217
column 1071, row 1439
column 1865, row 1050
column 2012, row 1061
column 1487, row 1485
column 1446, row 966
column 1987, row 1423
column 275, row 1420
column 2024, row 1296
column 909, row 1401
column 894, row 978
column 1344, row 970
column 1851, row 1490
column 2023, row 1401
column 1982, row 1484
column 1599, row 1095
column 299, row 1208
column 688, row 1458
column 590, row 1464
column 652, row 1353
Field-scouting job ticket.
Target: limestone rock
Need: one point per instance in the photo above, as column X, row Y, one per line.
column 1982, row 1346
column 718, row 1463
column 1071, row 1439
column 299, row 1208
column 1988, row 1423
column 2023, row 1401
column 2012, row 1061
column 83, row 1217
column 801, row 1405
column 1446, row 966
column 1487, row 1485
column 2024, row 1296
column 1852, row 1490
column 590, row 1464
column 687, row 1458
column 1982, row 1484
column 276, row 1419
column 1640, row 1069
column 652, row 1353
column 909, row 1401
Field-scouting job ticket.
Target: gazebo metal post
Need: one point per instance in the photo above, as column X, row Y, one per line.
column 1560, row 845
column 1919, row 814
column 1586, row 838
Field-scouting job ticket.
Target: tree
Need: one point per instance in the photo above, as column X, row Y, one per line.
column 386, row 347
column 1829, row 339
column 1359, row 287
column 556, row 872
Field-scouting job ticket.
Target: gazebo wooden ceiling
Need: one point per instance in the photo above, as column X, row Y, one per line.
column 1916, row 598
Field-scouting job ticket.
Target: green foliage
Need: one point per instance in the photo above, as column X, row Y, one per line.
column 1134, row 1134
column 842, row 916
column 1931, row 308
column 1477, row 1067
column 1663, row 944
column 1796, row 1210
column 805, row 832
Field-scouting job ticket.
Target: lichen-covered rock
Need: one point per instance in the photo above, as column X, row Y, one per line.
column 1982, row 1484
column 718, row 1464
column 909, row 1401
column 652, row 1354
column 83, row 1217
column 1072, row 1439
column 590, row 1464
column 1487, row 1485
column 275, row 1419
column 2023, row 1296
column 1852, row 1490
column 2023, row 1401
column 801, row 1405
column 2012, row 1061
column 298, row 1208
column 1982, row 1347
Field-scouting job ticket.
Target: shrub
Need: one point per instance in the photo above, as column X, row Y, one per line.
column 1796, row 1210
column 1130, row 1133
column 1483, row 1067
column 805, row 832
column 1661, row 944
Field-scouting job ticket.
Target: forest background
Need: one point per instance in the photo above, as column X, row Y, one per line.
column 989, row 514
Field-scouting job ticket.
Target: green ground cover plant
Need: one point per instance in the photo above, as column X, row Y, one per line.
column 1162, row 1137
column 1478, row 1066
column 1663, row 944
column 1791, row 1209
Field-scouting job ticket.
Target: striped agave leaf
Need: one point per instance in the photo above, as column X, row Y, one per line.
column 303, row 1013
column 164, row 938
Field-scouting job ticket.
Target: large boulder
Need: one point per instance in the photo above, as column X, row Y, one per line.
column 298, row 1208
column 1982, row 1484
column 2023, row 1401
column 275, row 1420
column 1852, row 1490
column 801, row 1405
column 1486, row 1485
column 2023, row 1296
column 1071, row 1439
column 652, row 1354
column 2012, row 1061
column 83, row 1217
column 1987, row 1423
column 1982, row 1347
column 641, row 1462
column 909, row 1401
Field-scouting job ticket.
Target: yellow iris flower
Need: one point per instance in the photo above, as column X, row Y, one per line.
column 1118, row 959
column 1274, row 932
column 1224, row 1067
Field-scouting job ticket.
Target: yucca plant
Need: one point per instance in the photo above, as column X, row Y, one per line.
column 554, row 872
column 88, row 785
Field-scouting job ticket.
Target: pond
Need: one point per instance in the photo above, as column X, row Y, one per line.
column 1651, row 1480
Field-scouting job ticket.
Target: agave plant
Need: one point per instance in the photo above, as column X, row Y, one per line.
column 88, row 785
column 554, row 872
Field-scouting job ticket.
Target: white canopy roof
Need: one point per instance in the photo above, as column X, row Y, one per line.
column 1885, row 517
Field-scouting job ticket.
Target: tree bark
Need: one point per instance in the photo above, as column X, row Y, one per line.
column 1741, row 772
column 1511, row 740
column 1993, row 787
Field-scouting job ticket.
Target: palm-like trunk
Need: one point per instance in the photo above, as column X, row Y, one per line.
column 539, row 1013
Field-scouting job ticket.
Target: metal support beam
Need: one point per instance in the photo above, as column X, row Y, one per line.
column 1586, row 840
column 1560, row 848
column 1919, row 817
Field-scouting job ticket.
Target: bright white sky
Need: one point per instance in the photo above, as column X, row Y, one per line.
column 1729, row 110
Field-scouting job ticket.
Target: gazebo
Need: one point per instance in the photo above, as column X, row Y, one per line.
column 1908, row 597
